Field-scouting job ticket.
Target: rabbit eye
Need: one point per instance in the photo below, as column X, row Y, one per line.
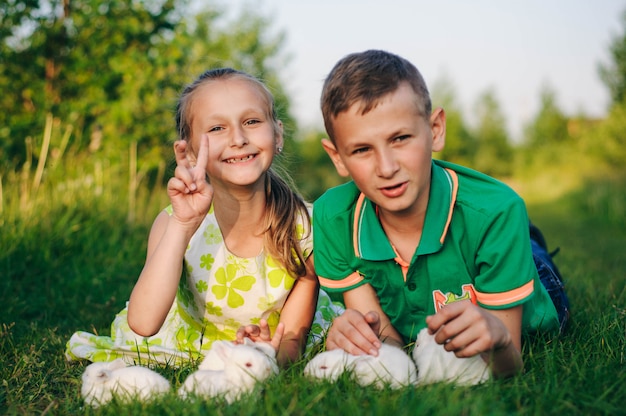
column 248, row 364
column 324, row 367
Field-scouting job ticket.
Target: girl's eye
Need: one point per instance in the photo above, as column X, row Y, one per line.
column 216, row 128
column 252, row 121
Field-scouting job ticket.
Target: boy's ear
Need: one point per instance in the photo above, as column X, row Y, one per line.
column 330, row 148
column 438, row 128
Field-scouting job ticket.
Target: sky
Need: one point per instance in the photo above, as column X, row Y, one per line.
column 515, row 48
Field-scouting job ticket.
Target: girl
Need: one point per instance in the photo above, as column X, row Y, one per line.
column 241, row 241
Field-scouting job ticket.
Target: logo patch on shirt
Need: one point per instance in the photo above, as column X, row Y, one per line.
column 441, row 299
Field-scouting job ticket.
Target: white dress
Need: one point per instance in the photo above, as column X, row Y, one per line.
column 218, row 293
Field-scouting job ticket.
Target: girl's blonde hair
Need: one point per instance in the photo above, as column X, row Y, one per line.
column 284, row 206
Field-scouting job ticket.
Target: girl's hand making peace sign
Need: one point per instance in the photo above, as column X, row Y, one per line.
column 189, row 191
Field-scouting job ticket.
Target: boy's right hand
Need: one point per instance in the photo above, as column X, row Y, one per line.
column 189, row 191
column 355, row 333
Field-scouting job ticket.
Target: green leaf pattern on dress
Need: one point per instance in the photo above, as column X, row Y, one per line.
column 217, row 293
column 229, row 284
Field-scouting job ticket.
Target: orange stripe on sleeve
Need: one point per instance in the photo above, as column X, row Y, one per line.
column 455, row 188
column 348, row 281
column 505, row 298
column 357, row 224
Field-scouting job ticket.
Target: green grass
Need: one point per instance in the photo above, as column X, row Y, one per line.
column 68, row 261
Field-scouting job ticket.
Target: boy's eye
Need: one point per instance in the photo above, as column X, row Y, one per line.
column 401, row 138
column 359, row 150
column 216, row 128
column 252, row 121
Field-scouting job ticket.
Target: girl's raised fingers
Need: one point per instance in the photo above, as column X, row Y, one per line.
column 180, row 152
column 185, row 176
column 175, row 184
column 203, row 154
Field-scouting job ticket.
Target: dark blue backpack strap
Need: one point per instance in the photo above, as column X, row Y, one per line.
column 549, row 274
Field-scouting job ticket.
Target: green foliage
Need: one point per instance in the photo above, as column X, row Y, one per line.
column 314, row 172
column 549, row 125
column 461, row 146
column 607, row 142
column 614, row 73
column 494, row 153
column 115, row 69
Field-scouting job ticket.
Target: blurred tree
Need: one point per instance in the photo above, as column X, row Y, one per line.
column 546, row 137
column 494, row 153
column 610, row 140
column 613, row 74
column 549, row 125
column 115, row 68
column 460, row 144
column 316, row 172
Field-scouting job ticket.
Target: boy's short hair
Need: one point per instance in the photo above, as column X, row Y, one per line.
column 366, row 77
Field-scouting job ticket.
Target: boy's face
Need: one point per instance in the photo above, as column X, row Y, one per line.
column 388, row 151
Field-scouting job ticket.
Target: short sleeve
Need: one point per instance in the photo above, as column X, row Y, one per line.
column 506, row 271
column 334, row 257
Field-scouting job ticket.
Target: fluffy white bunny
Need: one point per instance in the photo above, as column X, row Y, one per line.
column 392, row 367
column 435, row 364
column 213, row 359
column 231, row 370
column 103, row 380
column 329, row 365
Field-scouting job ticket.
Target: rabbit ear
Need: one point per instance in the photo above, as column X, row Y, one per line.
column 116, row 364
column 222, row 350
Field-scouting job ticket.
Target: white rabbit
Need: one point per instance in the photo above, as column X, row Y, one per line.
column 243, row 365
column 435, row 364
column 329, row 365
column 103, row 380
column 212, row 360
column 391, row 367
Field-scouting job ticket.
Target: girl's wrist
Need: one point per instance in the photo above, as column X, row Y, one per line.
column 188, row 228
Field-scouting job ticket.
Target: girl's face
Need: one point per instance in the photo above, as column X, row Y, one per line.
column 243, row 136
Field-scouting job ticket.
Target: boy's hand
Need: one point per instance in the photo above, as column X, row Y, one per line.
column 468, row 329
column 189, row 191
column 355, row 333
column 261, row 333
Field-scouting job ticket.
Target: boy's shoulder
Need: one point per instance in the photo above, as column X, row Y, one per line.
column 336, row 200
column 477, row 188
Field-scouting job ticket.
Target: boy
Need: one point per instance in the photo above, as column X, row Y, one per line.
column 414, row 242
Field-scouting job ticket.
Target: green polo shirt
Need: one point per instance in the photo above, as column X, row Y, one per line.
column 475, row 245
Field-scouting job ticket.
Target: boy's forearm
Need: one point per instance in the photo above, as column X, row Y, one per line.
column 504, row 362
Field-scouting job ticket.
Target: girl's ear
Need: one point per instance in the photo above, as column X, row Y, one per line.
column 330, row 148
column 438, row 129
column 280, row 141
